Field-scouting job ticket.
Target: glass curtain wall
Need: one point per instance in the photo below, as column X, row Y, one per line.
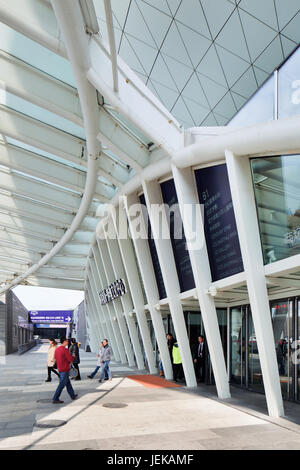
column 245, row 369
column 276, row 183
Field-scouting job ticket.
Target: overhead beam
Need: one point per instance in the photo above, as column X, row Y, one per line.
column 133, row 100
column 32, row 210
column 40, row 26
column 38, row 166
column 57, row 284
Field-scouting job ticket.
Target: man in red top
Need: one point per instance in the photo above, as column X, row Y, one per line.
column 63, row 359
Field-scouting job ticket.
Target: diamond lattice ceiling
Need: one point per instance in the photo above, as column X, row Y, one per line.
column 204, row 58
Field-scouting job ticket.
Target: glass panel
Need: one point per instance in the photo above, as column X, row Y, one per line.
column 297, row 350
column 289, row 87
column 260, row 108
column 282, row 329
column 222, row 321
column 277, row 192
column 238, row 345
column 36, row 55
column 255, row 380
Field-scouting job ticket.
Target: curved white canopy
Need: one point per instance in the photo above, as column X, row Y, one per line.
column 202, row 59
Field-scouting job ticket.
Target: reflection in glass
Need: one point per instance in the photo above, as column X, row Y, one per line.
column 277, row 192
column 238, row 345
column 289, row 87
column 260, row 108
column 255, row 380
column 283, row 337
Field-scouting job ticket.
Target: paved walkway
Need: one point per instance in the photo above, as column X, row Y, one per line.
column 153, row 418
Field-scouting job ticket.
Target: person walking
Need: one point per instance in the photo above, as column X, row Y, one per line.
column 63, row 359
column 74, row 350
column 51, row 359
column 99, row 362
column 106, row 357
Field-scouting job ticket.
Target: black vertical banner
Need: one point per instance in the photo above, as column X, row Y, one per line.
column 219, row 222
column 154, row 256
column 181, row 254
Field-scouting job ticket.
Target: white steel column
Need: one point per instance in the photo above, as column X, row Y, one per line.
column 109, row 306
column 93, row 331
column 129, row 263
column 96, row 298
column 152, row 192
column 241, row 186
column 119, row 273
column 148, row 276
column 98, row 325
column 104, row 311
column 90, row 333
column 116, row 303
column 187, row 195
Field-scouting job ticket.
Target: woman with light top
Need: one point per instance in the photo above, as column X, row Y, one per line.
column 99, row 362
column 51, row 359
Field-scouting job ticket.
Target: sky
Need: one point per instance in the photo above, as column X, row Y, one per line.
column 44, row 298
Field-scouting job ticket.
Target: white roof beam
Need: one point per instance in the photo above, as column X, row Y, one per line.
column 57, row 284
column 22, row 226
column 25, row 186
column 37, row 134
column 44, row 168
column 119, row 141
column 133, row 100
column 27, row 243
column 36, row 22
column 37, row 87
column 25, row 208
column 60, row 272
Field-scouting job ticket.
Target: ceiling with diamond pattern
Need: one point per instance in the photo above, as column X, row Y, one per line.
column 203, row 58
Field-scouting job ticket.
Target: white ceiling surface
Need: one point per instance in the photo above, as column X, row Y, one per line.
column 202, row 58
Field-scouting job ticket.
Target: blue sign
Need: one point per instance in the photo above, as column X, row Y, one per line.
column 51, row 316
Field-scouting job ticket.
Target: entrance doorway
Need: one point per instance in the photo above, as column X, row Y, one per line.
column 245, row 369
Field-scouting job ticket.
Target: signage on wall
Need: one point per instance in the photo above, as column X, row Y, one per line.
column 51, row 316
column 154, row 257
column 181, row 254
column 219, row 222
column 113, row 291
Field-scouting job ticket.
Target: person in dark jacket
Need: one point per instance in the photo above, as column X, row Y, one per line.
column 199, row 359
column 74, row 350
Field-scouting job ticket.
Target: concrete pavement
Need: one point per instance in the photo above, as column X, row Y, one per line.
column 152, row 418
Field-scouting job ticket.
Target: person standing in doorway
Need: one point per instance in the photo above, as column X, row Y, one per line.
column 199, row 359
column 51, row 359
column 74, row 350
column 63, row 359
column 106, row 357
column 177, row 363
